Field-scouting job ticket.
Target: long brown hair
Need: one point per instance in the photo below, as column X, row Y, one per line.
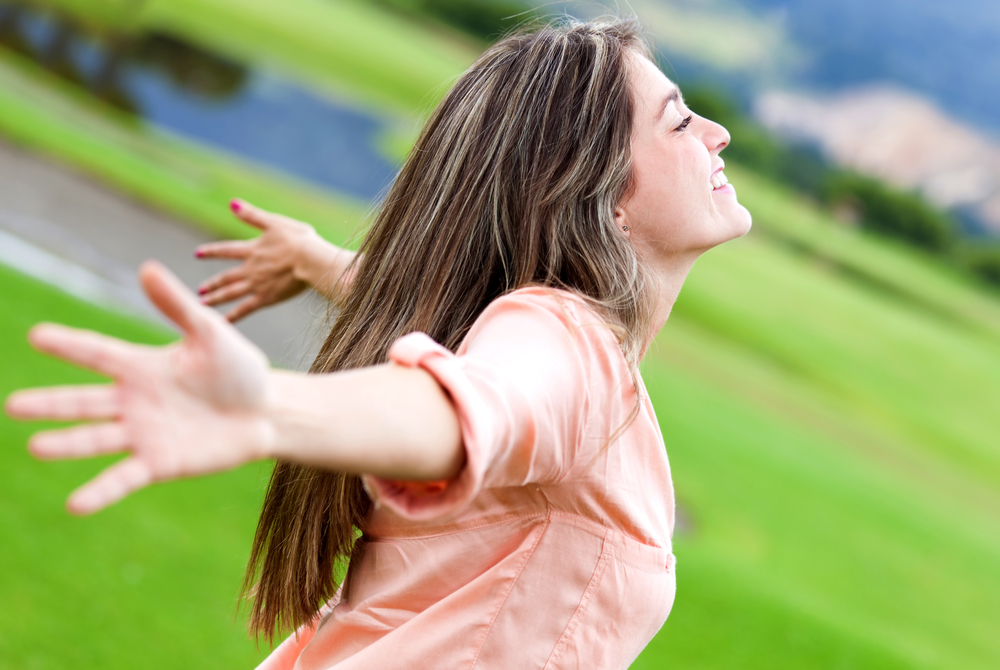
column 513, row 181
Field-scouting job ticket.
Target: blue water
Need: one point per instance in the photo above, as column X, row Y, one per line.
column 260, row 116
column 277, row 123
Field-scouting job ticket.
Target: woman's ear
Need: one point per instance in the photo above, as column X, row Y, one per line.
column 620, row 221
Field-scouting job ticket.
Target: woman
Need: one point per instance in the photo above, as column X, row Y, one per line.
column 504, row 467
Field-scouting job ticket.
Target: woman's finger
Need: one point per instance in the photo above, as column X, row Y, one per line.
column 237, row 289
column 66, row 403
column 80, row 441
column 100, row 353
column 236, row 249
column 251, row 304
column 221, row 279
column 110, row 486
column 174, row 299
column 255, row 216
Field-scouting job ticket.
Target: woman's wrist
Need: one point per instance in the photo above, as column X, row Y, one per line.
column 277, row 416
column 307, row 252
column 321, row 264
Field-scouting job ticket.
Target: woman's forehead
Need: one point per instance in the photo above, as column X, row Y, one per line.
column 653, row 90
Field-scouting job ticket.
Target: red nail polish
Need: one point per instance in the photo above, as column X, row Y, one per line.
column 234, row 205
column 202, row 291
column 199, row 254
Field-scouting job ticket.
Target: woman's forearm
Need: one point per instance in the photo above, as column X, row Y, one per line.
column 388, row 420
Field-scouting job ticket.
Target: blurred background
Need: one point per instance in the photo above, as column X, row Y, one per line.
column 828, row 386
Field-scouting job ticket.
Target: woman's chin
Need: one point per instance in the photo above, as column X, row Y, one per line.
column 748, row 223
column 742, row 222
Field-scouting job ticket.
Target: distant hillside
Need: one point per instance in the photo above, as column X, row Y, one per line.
column 898, row 136
column 948, row 50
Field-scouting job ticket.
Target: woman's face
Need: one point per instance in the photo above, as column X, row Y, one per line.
column 681, row 204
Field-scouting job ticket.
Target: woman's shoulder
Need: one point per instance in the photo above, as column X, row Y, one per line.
column 553, row 308
column 543, row 302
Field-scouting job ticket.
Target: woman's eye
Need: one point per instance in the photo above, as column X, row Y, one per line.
column 684, row 123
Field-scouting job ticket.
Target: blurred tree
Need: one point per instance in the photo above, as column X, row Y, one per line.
column 983, row 261
column 106, row 85
column 188, row 67
column 887, row 210
column 11, row 35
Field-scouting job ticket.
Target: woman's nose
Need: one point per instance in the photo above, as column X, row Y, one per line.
column 716, row 137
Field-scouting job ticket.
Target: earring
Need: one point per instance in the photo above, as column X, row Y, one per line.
column 625, row 228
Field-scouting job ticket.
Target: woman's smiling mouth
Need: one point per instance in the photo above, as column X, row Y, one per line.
column 719, row 180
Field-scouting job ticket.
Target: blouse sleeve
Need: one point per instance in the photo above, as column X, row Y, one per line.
column 522, row 390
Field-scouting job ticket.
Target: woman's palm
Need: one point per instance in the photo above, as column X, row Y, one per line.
column 185, row 409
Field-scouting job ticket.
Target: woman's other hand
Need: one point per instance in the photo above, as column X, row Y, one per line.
column 284, row 260
column 189, row 408
column 267, row 273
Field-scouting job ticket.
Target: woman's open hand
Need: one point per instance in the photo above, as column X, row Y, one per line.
column 269, row 272
column 286, row 258
column 185, row 409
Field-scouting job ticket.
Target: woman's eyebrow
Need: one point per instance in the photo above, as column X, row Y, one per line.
column 673, row 96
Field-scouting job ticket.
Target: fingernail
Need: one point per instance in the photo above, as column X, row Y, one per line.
column 235, row 205
column 198, row 253
column 202, row 291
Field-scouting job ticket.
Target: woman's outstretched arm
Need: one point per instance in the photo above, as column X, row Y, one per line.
column 286, row 258
column 210, row 402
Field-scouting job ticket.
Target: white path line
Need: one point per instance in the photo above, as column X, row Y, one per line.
column 71, row 278
column 62, row 241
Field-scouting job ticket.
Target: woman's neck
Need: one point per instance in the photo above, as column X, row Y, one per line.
column 669, row 275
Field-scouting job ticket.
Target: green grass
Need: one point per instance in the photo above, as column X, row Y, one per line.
column 149, row 583
column 889, row 266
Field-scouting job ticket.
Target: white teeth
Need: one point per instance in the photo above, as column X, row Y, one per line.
column 719, row 180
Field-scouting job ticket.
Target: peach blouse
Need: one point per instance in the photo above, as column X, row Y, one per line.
column 551, row 549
